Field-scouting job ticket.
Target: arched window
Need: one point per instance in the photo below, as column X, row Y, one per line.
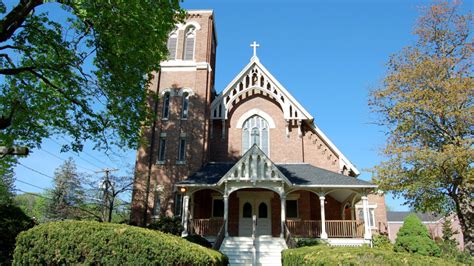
column 247, row 212
column 189, row 37
column 185, row 107
column 255, row 131
column 172, row 45
column 166, row 105
column 262, row 210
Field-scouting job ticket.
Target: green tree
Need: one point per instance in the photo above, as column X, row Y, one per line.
column 413, row 237
column 447, row 231
column 67, row 196
column 80, row 68
column 35, row 206
column 6, row 187
column 12, row 221
column 426, row 104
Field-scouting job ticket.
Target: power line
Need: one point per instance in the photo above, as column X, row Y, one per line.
column 78, row 156
column 36, row 171
column 29, row 184
column 43, row 174
column 41, row 196
column 79, row 196
column 57, row 157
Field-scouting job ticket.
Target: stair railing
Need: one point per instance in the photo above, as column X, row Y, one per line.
column 219, row 238
column 290, row 242
column 254, row 248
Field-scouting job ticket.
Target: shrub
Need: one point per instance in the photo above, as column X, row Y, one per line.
column 450, row 250
column 307, row 242
column 170, row 225
column 413, row 237
column 197, row 239
column 326, row 255
column 12, row 221
column 94, row 243
column 382, row 242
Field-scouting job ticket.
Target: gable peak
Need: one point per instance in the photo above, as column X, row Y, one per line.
column 256, row 79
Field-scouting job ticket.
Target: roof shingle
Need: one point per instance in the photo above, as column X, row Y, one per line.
column 398, row 216
column 297, row 174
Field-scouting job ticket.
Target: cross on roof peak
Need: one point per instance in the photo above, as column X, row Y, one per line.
column 254, row 45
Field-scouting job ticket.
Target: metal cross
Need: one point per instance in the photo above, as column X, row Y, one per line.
column 254, row 45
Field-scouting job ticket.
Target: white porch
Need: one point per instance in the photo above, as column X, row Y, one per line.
column 255, row 197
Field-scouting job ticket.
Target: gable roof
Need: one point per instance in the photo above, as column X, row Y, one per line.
column 271, row 87
column 209, row 174
column 297, row 175
column 254, row 166
column 309, row 175
column 399, row 216
column 224, row 102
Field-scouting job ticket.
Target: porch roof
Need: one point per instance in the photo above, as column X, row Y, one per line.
column 308, row 175
column 298, row 174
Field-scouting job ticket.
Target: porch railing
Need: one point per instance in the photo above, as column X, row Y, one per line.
column 206, row 227
column 304, row 228
column 345, row 228
column 334, row 228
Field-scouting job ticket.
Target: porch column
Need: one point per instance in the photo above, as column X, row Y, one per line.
column 365, row 210
column 283, row 214
column 226, row 215
column 324, row 235
column 184, row 219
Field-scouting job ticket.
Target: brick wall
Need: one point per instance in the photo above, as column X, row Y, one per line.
column 195, row 128
column 283, row 149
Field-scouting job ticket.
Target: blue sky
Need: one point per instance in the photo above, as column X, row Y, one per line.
column 328, row 54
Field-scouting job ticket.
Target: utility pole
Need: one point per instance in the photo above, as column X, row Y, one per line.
column 15, row 150
column 106, row 196
column 5, row 122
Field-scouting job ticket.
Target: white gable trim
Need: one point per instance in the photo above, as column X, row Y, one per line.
column 252, row 112
column 221, row 105
column 246, row 169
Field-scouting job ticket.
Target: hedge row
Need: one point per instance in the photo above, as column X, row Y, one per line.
column 92, row 243
column 324, row 255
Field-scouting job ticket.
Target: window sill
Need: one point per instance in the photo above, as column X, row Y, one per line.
column 184, row 118
column 164, row 119
column 160, row 162
column 180, row 162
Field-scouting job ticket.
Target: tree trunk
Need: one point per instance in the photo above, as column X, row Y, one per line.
column 111, row 208
column 465, row 212
column 13, row 20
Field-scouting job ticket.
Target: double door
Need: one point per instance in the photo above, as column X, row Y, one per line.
column 261, row 209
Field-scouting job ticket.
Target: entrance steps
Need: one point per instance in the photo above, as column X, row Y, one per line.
column 240, row 250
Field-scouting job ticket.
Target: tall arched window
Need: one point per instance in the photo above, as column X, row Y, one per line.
column 172, row 45
column 189, row 37
column 247, row 212
column 255, row 131
column 262, row 210
column 185, row 107
column 166, row 105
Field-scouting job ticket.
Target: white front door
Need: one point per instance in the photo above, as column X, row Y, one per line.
column 261, row 208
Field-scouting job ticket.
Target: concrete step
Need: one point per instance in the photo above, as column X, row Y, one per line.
column 237, row 253
column 239, row 250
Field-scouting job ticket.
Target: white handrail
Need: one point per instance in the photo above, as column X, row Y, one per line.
column 254, row 248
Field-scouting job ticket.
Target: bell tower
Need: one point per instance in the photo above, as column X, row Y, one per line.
column 178, row 142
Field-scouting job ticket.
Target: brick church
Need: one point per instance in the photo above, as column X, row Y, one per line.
column 244, row 160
